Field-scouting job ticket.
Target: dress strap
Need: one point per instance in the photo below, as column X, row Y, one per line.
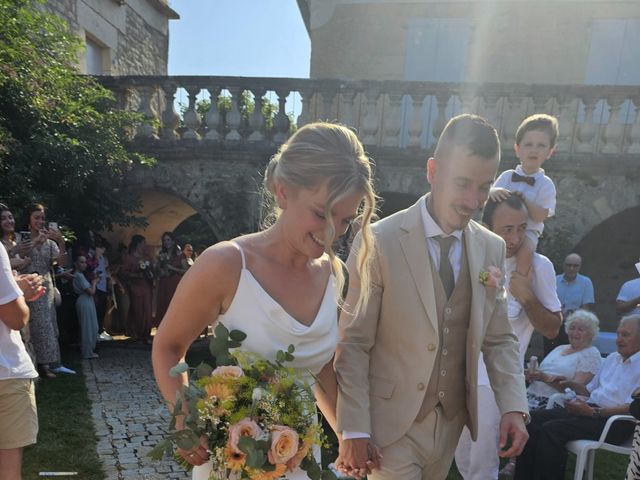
column 244, row 261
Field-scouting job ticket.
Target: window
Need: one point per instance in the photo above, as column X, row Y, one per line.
column 436, row 51
column 95, row 56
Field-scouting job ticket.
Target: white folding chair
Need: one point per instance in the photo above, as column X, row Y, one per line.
column 585, row 450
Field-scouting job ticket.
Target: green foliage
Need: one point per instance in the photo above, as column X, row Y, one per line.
column 62, row 139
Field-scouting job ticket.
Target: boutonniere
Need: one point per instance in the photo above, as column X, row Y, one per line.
column 491, row 277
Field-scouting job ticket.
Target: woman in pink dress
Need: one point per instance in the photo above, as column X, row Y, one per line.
column 170, row 271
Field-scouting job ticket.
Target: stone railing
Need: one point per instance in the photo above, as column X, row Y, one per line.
column 593, row 119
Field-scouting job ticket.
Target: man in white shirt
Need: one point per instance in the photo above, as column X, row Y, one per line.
column 608, row 394
column 532, row 304
column 628, row 301
column 18, row 414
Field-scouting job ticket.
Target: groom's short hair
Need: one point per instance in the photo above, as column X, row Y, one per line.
column 472, row 132
column 514, row 201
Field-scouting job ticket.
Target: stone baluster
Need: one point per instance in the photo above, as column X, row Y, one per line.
column 328, row 94
column 347, row 116
column 147, row 128
column 442, row 98
column 586, row 130
column 257, row 120
column 213, row 118
column 306, row 94
column 614, row 130
column 281, row 122
column 566, row 123
column 170, row 118
column 539, row 103
column 469, row 101
column 491, row 109
column 370, row 121
column 634, row 134
column 233, row 117
column 392, row 120
column 417, row 123
column 192, row 120
column 513, row 117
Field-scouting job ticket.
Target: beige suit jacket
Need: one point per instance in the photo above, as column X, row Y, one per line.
column 386, row 354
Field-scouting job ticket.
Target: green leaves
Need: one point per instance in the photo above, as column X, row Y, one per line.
column 178, row 369
column 222, row 341
column 256, row 451
column 282, row 356
column 314, row 472
column 62, row 137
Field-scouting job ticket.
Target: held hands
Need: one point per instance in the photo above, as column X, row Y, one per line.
column 358, row 457
column 513, row 431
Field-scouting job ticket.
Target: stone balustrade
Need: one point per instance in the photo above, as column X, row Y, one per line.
column 410, row 115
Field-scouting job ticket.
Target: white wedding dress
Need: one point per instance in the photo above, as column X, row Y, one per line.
column 270, row 328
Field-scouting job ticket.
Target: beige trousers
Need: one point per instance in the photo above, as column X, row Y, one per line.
column 425, row 451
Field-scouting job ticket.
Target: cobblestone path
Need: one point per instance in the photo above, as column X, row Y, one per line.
column 129, row 414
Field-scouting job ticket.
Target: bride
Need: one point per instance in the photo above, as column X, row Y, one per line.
column 280, row 286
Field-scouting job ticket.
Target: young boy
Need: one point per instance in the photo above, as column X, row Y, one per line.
column 535, row 142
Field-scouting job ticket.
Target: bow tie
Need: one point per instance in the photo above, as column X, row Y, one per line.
column 522, row 178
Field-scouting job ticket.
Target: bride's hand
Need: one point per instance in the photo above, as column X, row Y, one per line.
column 196, row 455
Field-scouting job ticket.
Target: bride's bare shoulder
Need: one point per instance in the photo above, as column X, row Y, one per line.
column 223, row 257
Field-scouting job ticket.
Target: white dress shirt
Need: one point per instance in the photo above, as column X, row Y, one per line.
column 616, row 381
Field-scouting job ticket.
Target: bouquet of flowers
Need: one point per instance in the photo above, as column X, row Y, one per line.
column 145, row 268
column 258, row 416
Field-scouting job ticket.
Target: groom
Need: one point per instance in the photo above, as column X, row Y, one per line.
column 407, row 364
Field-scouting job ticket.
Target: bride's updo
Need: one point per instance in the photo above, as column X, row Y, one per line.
column 327, row 153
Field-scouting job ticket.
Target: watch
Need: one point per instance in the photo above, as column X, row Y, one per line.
column 597, row 412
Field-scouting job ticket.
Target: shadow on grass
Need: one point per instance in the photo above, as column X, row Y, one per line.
column 66, row 438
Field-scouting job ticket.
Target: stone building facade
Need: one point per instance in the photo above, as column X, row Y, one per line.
column 512, row 41
column 122, row 37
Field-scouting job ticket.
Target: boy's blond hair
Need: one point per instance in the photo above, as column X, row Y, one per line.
column 539, row 122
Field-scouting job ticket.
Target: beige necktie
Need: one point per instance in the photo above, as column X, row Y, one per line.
column 446, row 271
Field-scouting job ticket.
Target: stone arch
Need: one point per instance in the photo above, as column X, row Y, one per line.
column 609, row 253
column 163, row 210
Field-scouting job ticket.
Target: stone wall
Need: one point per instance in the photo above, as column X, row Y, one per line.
column 528, row 41
column 133, row 35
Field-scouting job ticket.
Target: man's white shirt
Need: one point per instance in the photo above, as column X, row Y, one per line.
column 543, row 284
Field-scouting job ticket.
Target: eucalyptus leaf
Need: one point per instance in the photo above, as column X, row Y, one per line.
column 203, row 370
column 237, row 335
column 280, row 356
column 328, row 475
column 178, row 369
column 288, row 357
column 221, row 331
column 291, row 348
column 233, row 344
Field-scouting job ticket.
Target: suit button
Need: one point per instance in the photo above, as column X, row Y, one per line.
column 421, row 386
column 431, row 347
column 443, row 372
column 441, row 394
column 446, row 330
column 447, row 310
column 445, row 351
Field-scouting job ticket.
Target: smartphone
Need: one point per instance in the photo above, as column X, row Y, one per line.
column 25, row 236
column 53, row 225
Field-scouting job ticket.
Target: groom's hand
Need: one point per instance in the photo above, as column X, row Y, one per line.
column 512, row 428
column 358, row 457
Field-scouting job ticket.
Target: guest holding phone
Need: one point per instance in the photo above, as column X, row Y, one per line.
column 47, row 246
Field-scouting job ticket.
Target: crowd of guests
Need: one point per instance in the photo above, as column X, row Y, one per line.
column 92, row 292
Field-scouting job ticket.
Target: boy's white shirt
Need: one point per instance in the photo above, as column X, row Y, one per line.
column 542, row 193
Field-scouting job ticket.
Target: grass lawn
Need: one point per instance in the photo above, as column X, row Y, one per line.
column 66, row 439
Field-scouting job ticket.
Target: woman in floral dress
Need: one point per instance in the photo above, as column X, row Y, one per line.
column 47, row 246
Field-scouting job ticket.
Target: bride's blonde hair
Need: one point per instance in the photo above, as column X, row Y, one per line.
column 329, row 154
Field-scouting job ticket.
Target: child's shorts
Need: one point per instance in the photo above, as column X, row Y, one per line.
column 19, row 416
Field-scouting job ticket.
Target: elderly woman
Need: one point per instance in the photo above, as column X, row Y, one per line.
column 577, row 362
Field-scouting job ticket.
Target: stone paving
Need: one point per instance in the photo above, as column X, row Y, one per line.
column 129, row 413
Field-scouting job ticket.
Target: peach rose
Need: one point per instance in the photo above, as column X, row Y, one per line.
column 295, row 461
column 228, row 372
column 284, row 444
column 244, row 428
